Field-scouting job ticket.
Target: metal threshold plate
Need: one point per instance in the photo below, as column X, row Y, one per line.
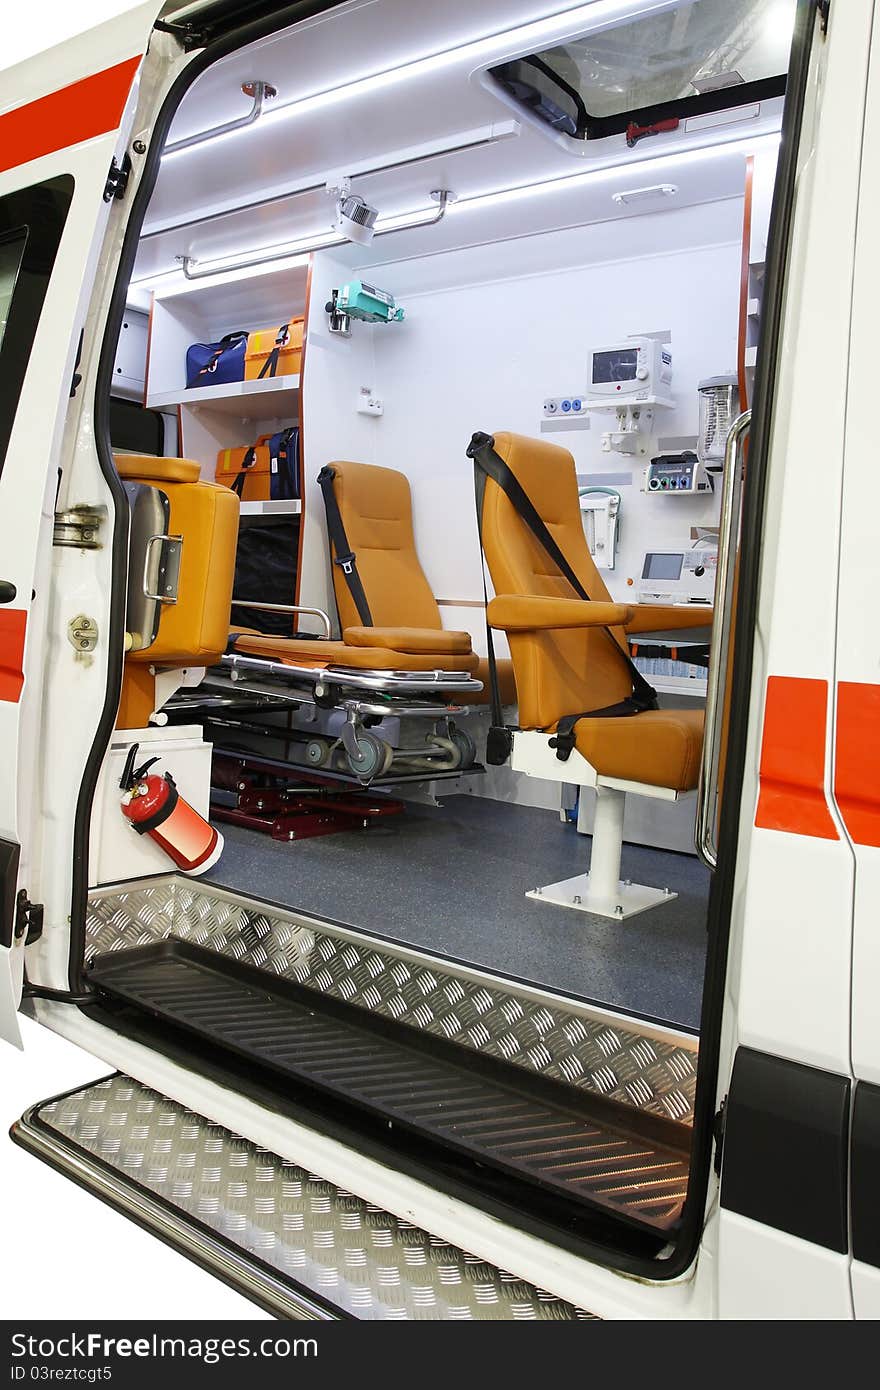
column 286, row 1238
column 537, row 1131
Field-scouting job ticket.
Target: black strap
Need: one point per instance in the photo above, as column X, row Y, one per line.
column 270, row 366
column 489, row 464
column 247, row 462
column 340, row 551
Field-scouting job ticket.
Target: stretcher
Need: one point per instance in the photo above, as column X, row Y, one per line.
column 352, row 709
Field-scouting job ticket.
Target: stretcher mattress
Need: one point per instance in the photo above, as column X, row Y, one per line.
column 318, row 653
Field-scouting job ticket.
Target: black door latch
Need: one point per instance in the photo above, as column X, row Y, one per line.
column 28, row 918
column 117, row 179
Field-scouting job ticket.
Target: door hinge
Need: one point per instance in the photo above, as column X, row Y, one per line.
column 28, row 918
column 117, row 179
column 80, row 527
column 718, row 1125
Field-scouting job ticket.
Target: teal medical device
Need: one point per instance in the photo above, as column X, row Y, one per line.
column 366, row 302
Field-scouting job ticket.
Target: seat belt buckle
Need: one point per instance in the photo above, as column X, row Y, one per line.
column 499, row 745
column 346, row 563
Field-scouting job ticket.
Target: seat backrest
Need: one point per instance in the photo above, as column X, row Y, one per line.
column 557, row 672
column 376, row 509
column 195, row 629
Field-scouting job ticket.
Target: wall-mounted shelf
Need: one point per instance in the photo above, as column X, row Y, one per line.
column 288, row 507
column 271, row 398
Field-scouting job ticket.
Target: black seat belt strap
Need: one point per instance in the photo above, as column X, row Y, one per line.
column 499, row 740
column 248, row 461
column 489, row 464
column 270, row 366
column 340, row 551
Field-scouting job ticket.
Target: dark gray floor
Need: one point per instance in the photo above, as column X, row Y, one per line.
column 453, row 879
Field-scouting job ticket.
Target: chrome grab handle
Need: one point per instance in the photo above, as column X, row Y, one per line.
column 286, row 608
column 172, row 546
column 731, row 499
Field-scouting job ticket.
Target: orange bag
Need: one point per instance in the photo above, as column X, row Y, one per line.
column 246, row 471
column 274, row 351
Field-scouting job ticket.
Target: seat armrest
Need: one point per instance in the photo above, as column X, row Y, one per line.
column 532, row 612
column 659, row 617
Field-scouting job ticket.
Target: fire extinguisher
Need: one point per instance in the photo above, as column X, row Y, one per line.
column 153, row 806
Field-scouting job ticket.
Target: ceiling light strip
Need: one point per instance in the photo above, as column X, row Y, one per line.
column 429, row 218
column 479, row 138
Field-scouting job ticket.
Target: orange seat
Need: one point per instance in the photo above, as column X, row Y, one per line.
column 570, row 657
column 564, row 659
column 376, row 509
column 193, row 628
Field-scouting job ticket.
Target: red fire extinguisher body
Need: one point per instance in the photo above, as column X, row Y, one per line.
column 154, row 807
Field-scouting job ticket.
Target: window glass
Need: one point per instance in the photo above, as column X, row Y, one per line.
column 691, row 52
column 31, row 225
column 11, row 252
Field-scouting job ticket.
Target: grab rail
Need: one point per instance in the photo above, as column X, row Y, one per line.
column 259, row 92
column 286, row 608
column 731, row 499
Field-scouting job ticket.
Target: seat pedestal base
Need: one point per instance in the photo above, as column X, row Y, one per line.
column 583, row 895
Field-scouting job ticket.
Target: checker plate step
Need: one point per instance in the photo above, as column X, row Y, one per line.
column 288, row 1239
column 540, row 1132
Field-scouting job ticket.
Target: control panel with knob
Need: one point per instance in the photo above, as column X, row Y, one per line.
column 681, row 474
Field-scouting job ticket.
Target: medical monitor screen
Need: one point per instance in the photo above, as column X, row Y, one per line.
column 660, row 566
column 619, row 365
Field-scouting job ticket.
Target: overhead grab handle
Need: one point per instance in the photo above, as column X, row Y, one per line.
column 261, row 92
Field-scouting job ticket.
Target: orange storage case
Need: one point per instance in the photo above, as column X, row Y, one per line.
column 262, row 343
column 257, row 478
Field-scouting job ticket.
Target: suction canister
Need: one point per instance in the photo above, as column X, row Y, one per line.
column 153, row 806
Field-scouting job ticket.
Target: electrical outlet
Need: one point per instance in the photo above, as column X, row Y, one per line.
column 368, row 404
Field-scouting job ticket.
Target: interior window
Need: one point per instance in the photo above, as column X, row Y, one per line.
column 706, row 55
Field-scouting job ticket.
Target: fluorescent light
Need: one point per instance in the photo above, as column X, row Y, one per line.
column 657, row 164
column 525, row 38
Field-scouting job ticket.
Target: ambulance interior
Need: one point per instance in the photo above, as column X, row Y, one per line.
column 493, row 238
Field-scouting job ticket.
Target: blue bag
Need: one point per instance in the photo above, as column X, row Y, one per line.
column 284, row 472
column 216, row 364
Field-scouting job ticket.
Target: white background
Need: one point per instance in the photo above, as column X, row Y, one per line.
column 66, row 1255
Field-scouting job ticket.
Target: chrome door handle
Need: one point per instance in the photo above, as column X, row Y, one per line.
column 731, row 507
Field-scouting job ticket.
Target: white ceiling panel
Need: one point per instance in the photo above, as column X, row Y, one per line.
column 211, row 200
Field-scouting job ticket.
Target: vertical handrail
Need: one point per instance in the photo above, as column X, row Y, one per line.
column 731, row 500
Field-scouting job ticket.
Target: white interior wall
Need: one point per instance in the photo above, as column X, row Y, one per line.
column 490, row 331
column 334, row 370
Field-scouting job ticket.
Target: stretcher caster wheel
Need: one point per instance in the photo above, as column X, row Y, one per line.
column 318, row 752
column 369, row 760
column 466, row 747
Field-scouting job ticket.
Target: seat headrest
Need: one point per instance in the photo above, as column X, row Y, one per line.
column 157, row 470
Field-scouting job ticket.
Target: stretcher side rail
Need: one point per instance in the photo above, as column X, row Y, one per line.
column 332, row 677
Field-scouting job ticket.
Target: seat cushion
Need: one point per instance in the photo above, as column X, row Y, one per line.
column 294, row 652
column 660, row 747
column 416, row 640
